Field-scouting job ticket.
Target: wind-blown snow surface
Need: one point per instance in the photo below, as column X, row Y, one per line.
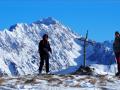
column 60, row 82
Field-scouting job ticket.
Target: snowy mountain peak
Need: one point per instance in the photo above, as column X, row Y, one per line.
column 12, row 27
column 47, row 21
column 15, row 26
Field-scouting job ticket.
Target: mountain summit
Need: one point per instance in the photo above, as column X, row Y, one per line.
column 47, row 21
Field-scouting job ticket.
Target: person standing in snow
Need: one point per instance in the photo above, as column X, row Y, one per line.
column 116, row 49
column 44, row 49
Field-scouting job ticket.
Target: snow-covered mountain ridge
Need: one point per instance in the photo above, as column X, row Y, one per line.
column 19, row 48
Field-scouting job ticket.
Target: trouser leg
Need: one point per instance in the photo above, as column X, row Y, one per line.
column 118, row 64
column 41, row 65
column 47, row 64
column 118, row 61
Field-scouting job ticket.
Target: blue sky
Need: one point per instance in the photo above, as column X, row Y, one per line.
column 100, row 17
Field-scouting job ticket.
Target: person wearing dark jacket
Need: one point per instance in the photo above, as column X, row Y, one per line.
column 44, row 49
column 116, row 49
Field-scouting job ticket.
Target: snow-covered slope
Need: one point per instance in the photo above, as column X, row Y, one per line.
column 19, row 48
